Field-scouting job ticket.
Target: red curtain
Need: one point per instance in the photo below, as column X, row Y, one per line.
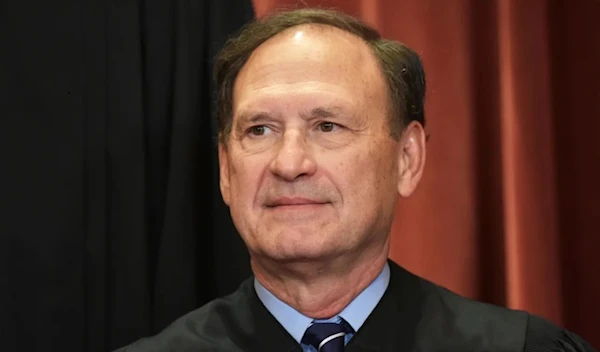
column 508, row 208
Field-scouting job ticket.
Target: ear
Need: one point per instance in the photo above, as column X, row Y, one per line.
column 224, row 173
column 411, row 156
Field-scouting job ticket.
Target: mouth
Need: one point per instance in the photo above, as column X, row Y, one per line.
column 293, row 202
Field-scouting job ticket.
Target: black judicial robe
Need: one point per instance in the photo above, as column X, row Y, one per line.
column 413, row 315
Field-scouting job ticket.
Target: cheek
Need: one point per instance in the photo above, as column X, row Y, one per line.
column 246, row 175
column 364, row 177
column 351, row 174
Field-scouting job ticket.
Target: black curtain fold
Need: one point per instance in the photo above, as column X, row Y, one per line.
column 112, row 222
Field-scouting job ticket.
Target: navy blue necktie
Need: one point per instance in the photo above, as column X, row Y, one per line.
column 327, row 337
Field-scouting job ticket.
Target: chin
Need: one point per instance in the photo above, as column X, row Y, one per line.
column 300, row 256
column 295, row 251
column 296, row 245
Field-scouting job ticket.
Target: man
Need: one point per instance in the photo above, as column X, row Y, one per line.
column 321, row 128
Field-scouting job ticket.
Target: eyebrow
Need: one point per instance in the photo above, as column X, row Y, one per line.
column 254, row 116
column 320, row 112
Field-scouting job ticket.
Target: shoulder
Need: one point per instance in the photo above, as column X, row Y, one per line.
column 543, row 335
column 207, row 328
column 473, row 324
column 467, row 324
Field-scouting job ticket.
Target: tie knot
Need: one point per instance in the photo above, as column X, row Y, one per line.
column 327, row 337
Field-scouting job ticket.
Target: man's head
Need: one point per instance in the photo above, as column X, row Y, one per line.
column 321, row 127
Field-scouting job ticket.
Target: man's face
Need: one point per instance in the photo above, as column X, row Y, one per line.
column 310, row 170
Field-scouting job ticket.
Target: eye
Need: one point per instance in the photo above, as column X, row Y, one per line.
column 328, row 126
column 259, row 130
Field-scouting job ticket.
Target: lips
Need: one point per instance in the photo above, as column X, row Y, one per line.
column 293, row 201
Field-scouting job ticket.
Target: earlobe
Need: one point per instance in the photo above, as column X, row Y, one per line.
column 412, row 158
column 224, row 174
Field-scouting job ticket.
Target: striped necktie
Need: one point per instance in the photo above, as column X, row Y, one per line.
column 327, row 337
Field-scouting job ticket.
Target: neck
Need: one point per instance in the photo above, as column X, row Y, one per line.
column 320, row 289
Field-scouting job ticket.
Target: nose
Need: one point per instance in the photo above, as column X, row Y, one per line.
column 293, row 158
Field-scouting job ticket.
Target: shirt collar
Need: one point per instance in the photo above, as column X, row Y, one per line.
column 355, row 313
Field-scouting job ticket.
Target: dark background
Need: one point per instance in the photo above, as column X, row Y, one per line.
column 111, row 221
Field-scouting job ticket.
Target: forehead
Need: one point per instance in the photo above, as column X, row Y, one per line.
column 310, row 59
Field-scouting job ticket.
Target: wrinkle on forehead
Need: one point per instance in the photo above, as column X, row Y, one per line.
column 291, row 73
column 308, row 52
